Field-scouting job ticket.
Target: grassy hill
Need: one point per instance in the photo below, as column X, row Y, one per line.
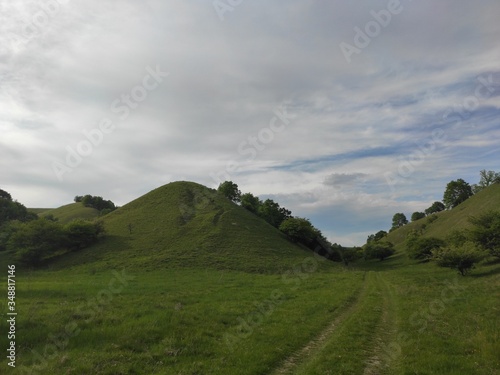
column 184, row 224
column 69, row 212
column 187, row 282
column 449, row 220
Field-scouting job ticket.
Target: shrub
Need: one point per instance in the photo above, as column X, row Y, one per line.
column 379, row 250
column 81, row 233
column 422, row 248
column 486, row 232
column 461, row 258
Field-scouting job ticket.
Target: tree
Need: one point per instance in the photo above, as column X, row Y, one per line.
column 422, row 247
column 250, row 202
column 486, row 232
column 36, row 240
column 350, row 254
column 461, row 258
column 435, row 207
column 398, row 220
column 5, row 195
column 487, row 178
column 299, row 230
column 12, row 210
column 379, row 250
column 230, row 190
column 417, row 216
column 456, row 192
column 271, row 212
column 82, row 233
column 377, row 236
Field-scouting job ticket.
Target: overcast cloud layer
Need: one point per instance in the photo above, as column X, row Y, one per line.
column 285, row 98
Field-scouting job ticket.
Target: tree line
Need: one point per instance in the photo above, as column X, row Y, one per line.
column 460, row 250
column 456, row 192
column 34, row 239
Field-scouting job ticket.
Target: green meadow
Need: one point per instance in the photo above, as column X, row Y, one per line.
column 186, row 282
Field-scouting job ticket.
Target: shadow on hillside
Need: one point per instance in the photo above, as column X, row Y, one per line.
column 490, row 272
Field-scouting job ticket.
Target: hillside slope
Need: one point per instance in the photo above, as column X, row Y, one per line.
column 70, row 212
column 184, row 224
column 454, row 219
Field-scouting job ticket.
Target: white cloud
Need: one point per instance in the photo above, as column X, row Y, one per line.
column 352, row 123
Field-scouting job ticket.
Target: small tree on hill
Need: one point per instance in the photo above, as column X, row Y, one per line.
column 435, row 207
column 398, row 220
column 487, row 178
column 417, row 216
column 299, row 230
column 461, row 258
column 377, row 236
column 456, row 192
column 230, row 190
column 250, row 202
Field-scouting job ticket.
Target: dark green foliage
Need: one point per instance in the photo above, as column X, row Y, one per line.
column 82, row 233
column 461, row 258
column 299, row 230
column 486, row 232
column 456, row 192
column 377, row 236
column 435, row 207
column 350, row 254
column 250, row 202
column 36, row 240
column 12, row 210
column 417, row 216
column 230, row 190
column 398, row 220
column 271, row 212
column 422, row 247
column 39, row 239
column 379, row 250
column 5, row 195
column 96, row 202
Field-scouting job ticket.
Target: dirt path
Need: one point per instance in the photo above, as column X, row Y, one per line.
column 376, row 359
column 315, row 344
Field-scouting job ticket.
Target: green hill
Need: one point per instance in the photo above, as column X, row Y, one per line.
column 184, row 224
column 454, row 219
column 70, row 212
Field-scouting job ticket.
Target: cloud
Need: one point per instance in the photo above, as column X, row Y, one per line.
column 342, row 179
column 352, row 123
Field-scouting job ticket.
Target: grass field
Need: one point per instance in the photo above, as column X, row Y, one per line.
column 188, row 283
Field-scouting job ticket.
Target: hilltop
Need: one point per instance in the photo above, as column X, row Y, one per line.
column 68, row 212
column 184, row 224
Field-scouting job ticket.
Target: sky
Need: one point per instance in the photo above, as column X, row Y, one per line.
column 343, row 112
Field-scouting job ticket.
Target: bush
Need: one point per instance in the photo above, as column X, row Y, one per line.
column 299, row 230
column 486, row 232
column 36, row 240
column 379, row 250
column 461, row 258
column 82, row 233
column 422, row 248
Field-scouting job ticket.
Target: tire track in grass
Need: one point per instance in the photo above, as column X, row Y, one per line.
column 378, row 360
column 315, row 344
